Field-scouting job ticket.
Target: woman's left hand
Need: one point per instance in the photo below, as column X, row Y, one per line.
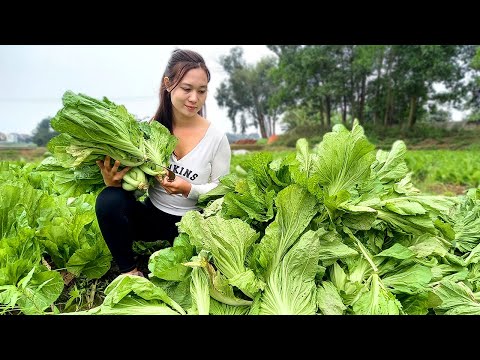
column 177, row 186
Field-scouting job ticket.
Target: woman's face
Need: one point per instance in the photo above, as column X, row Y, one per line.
column 190, row 94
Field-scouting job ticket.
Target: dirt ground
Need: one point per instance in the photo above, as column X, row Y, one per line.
column 447, row 189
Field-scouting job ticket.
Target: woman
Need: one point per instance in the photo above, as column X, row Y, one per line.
column 201, row 157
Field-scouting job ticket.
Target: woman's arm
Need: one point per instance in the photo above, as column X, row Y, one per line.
column 220, row 167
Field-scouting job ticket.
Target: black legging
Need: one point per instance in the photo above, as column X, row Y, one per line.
column 123, row 220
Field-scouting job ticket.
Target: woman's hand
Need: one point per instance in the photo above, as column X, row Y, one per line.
column 111, row 175
column 177, row 186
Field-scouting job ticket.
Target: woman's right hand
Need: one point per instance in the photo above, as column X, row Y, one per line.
column 111, row 175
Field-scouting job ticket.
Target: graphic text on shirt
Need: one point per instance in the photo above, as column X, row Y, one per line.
column 180, row 170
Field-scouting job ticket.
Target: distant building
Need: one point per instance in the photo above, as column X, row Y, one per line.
column 12, row 137
column 15, row 138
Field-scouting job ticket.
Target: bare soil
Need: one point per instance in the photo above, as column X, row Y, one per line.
column 447, row 189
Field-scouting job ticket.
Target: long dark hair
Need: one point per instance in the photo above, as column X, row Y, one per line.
column 179, row 64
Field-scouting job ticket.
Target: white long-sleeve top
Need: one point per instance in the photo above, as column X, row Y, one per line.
column 203, row 167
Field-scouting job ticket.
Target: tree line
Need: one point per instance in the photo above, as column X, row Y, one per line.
column 383, row 85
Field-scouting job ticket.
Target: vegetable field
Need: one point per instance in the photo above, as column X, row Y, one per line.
column 338, row 228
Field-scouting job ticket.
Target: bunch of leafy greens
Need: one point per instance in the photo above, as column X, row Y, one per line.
column 89, row 130
column 336, row 229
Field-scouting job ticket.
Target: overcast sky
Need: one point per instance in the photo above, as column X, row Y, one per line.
column 33, row 78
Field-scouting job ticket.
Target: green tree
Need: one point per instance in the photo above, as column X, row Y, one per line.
column 43, row 132
column 304, row 77
column 247, row 93
column 419, row 67
column 325, row 79
column 389, row 84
